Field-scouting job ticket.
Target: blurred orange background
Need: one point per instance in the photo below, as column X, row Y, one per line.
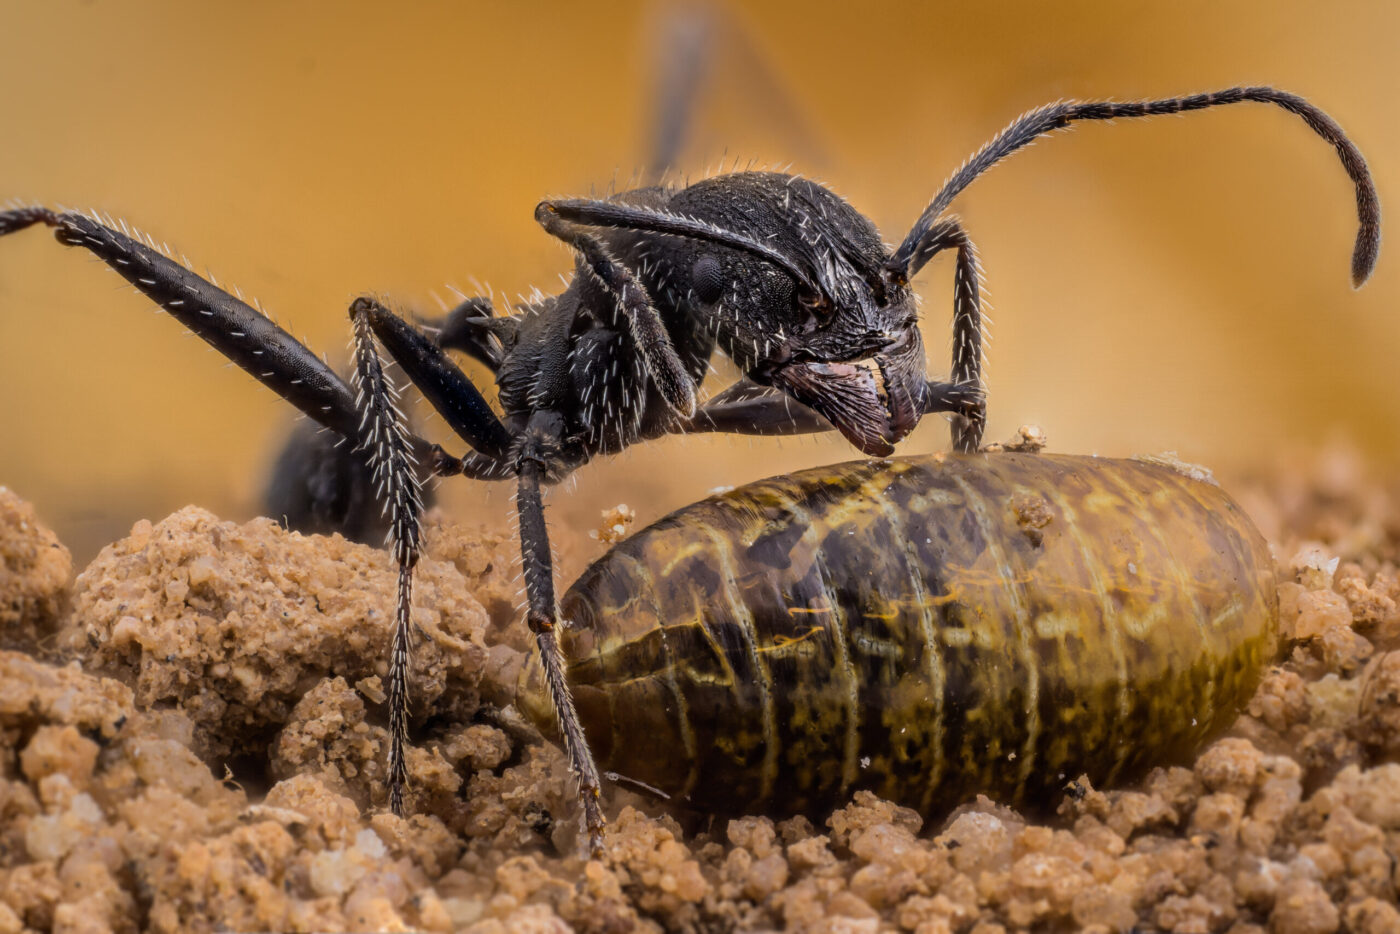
column 1163, row 284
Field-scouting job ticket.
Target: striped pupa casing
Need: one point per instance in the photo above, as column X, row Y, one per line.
column 929, row 628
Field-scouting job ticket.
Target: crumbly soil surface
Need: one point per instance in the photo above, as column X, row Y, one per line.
column 192, row 738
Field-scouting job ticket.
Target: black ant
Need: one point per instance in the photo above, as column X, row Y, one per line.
column 774, row 270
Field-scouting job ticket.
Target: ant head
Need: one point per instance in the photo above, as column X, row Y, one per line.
column 825, row 325
column 790, row 279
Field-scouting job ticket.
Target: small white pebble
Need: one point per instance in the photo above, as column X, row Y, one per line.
column 368, row 843
column 85, row 809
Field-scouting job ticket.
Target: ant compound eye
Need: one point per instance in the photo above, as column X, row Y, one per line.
column 816, row 305
column 707, row 279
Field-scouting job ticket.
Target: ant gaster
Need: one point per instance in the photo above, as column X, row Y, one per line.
column 774, row 270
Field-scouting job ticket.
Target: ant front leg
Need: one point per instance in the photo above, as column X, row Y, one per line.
column 970, row 414
column 747, row 408
column 543, row 618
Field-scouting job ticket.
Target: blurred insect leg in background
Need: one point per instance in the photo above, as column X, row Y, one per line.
column 704, row 51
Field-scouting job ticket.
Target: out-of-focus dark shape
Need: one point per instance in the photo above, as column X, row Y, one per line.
column 321, row 483
column 705, row 50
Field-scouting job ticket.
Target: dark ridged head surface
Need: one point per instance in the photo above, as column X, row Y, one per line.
column 928, row 628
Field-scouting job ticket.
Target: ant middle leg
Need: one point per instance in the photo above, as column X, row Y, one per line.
column 537, row 564
column 395, row 455
column 473, row 328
